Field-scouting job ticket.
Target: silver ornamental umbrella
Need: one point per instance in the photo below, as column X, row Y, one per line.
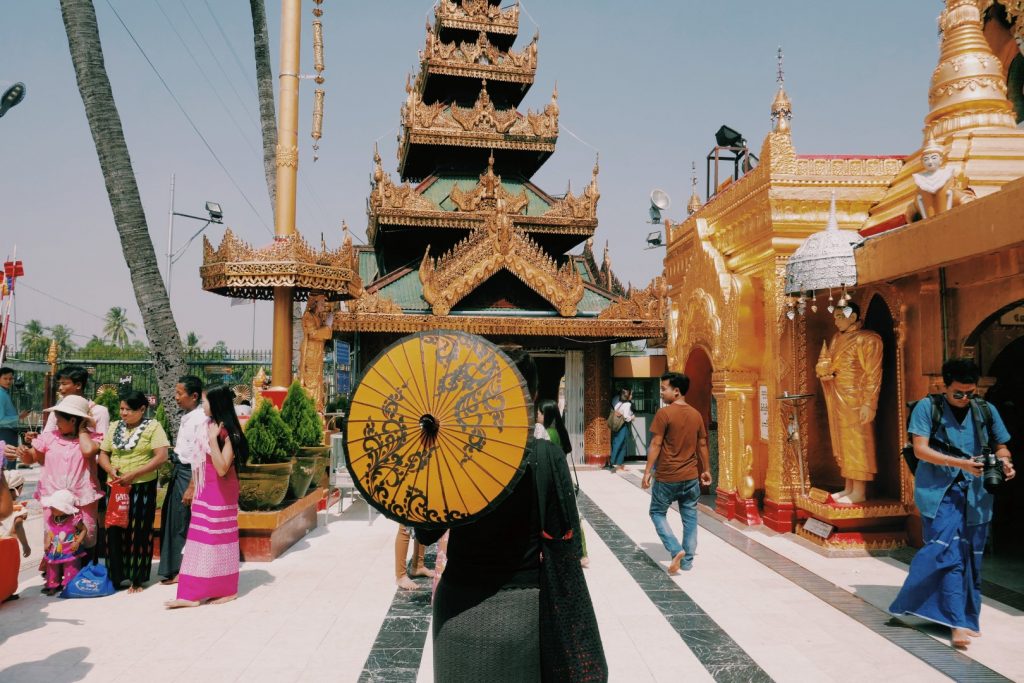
column 825, row 260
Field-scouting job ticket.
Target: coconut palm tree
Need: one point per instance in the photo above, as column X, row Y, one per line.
column 34, row 341
column 62, row 334
column 123, row 192
column 117, row 328
column 265, row 90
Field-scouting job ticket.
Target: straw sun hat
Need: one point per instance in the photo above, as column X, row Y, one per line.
column 71, row 405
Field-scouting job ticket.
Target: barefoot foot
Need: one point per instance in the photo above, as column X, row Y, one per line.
column 423, row 571
column 673, row 566
column 135, row 589
column 226, row 598
column 169, row 582
column 960, row 638
column 406, row 584
column 176, row 604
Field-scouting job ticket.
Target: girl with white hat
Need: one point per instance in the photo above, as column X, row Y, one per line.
column 65, row 533
column 68, row 455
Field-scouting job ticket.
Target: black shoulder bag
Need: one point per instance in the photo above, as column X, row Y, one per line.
column 570, row 642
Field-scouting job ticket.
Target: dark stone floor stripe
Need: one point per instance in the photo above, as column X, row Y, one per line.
column 994, row 591
column 398, row 649
column 713, row 647
column 917, row 642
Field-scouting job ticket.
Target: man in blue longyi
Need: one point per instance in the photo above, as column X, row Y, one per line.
column 944, row 583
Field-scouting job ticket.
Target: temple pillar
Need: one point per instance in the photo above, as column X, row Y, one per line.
column 597, row 442
column 735, row 395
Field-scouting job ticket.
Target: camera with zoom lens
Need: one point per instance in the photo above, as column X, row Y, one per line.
column 992, row 470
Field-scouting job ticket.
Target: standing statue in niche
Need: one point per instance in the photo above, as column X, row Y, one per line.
column 316, row 330
column 938, row 188
column 850, row 370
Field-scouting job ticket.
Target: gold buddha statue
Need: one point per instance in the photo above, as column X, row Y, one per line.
column 850, row 370
column 316, row 330
column 938, row 188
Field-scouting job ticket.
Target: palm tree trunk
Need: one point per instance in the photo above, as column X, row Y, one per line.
column 119, row 177
column 265, row 90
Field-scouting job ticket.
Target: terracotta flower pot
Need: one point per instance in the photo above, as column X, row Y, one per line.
column 263, row 487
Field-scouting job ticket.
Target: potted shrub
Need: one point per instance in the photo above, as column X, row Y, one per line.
column 299, row 412
column 263, row 482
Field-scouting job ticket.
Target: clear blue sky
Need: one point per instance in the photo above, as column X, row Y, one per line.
column 646, row 82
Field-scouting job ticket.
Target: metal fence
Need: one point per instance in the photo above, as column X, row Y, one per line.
column 135, row 369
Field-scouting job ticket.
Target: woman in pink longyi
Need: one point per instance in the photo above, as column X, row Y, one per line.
column 209, row 567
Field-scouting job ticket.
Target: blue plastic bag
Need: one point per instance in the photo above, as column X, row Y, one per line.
column 91, row 582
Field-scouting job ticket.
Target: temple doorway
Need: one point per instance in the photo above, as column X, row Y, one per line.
column 698, row 369
column 998, row 346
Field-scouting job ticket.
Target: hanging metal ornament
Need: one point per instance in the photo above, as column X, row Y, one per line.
column 316, row 130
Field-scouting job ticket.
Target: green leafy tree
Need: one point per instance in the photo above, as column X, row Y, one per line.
column 117, row 328
column 219, row 351
column 270, row 439
column 34, row 341
column 299, row 412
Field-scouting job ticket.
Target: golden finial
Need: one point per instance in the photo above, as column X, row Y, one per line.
column 968, row 89
column 597, row 166
column 51, row 355
column 782, row 109
column 378, row 168
column 346, row 240
column 694, row 204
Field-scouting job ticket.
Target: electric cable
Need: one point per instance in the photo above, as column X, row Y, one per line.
column 189, row 119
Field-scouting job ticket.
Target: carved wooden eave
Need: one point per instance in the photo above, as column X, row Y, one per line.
column 482, row 125
column 643, row 304
column 478, row 15
column 554, row 326
column 496, row 246
column 402, row 205
column 239, row 270
column 479, row 59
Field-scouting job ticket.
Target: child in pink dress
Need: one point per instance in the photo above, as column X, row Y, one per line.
column 68, row 455
column 65, row 533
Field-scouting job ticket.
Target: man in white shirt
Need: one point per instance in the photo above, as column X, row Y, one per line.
column 189, row 456
column 71, row 381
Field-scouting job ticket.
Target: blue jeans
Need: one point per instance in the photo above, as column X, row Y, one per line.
column 619, row 445
column 686, row 493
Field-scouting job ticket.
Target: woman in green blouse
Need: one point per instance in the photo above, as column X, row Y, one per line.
column 132, row 450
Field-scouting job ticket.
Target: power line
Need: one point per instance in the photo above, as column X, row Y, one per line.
column 189, row 119
column 61, row 301
column 216, row 92
column 245, row 76
column 209, row 49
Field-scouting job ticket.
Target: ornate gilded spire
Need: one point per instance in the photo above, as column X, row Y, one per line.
column 694, row 204
column 782, row 109
column 967, row 88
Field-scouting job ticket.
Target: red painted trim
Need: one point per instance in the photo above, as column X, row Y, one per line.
column 885, row 226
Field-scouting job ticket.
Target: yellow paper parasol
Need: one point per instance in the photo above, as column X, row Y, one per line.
column 437, row 429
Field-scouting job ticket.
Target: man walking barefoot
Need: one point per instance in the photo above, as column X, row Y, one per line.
column 678, row 457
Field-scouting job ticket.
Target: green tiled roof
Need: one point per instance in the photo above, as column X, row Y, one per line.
column 406, row 291
column 367, row 266
column 593, row 302
column 440, row 189
column 582, row 269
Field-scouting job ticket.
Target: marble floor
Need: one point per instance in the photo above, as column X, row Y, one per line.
column 756, row 606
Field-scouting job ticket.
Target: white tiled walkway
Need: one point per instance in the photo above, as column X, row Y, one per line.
column 314, row 615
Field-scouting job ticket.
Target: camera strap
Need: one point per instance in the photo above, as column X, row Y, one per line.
column 981, row 414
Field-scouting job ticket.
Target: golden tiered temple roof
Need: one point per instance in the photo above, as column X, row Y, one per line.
column 479, row 58
column 478, row 15
column 472, row 243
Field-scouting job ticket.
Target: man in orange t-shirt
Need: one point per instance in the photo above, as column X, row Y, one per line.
column 678, row 454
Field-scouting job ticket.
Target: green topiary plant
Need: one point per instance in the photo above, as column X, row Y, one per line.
column 299, row 412
column 270, row 439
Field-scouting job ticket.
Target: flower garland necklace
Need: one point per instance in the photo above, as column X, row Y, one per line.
column 126, row 442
